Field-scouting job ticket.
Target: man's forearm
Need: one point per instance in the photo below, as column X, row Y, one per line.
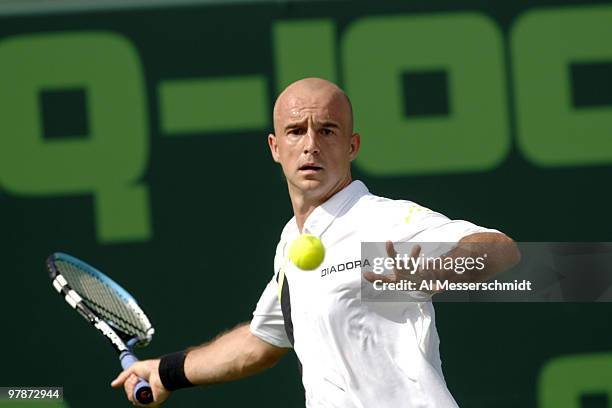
column 500, row 251
column 231, row 356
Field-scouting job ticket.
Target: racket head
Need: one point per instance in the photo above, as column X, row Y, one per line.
column 98, row 297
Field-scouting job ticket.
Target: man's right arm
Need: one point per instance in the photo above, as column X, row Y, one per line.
column 233, row 355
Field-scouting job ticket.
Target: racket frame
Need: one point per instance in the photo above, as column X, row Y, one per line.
column 122, row 342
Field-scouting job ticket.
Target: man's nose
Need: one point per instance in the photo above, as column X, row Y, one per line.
column 311, row 142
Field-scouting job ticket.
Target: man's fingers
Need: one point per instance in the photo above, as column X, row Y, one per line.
column 128, row 379
column 416, row 250
column 139, row 369
column 390, row 249
column 120, row 379
column 392, row 253
column 130, row 384
column 371, row 276
column 146, row 370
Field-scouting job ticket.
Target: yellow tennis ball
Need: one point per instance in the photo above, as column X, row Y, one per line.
column 307, row 252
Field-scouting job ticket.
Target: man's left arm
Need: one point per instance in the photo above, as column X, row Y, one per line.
column 495, row 251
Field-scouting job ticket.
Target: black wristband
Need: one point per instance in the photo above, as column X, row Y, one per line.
column 172, row 371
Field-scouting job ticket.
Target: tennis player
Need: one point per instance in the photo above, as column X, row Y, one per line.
column 354, row 354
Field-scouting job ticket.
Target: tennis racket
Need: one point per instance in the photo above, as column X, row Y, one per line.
column 107, row 306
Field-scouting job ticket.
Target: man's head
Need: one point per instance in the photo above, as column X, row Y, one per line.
column 313, row 138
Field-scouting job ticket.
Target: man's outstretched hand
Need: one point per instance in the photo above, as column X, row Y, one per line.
column 147, row 370
column 501, row 252
column 400, row 274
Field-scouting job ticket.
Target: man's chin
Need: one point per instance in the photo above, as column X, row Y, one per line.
column 310, row 185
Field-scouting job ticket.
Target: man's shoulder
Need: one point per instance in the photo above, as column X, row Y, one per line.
column 379, row 213
column 389, row 206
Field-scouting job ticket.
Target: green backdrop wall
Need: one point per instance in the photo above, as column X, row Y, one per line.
column 135, row 138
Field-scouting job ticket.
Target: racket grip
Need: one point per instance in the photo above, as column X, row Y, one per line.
column 142, row 391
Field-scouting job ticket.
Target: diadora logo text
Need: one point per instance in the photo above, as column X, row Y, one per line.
column 347, row 266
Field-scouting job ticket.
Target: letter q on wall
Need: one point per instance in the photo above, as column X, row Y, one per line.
column 109, row 161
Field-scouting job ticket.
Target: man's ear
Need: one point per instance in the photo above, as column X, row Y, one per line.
column 355, row 145
column 273, row 146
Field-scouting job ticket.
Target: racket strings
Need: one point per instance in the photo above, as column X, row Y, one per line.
column 103, row 300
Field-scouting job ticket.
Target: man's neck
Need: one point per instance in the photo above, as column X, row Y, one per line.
column 304, row 204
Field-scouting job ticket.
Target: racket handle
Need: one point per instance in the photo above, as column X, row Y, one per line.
column 142, row 391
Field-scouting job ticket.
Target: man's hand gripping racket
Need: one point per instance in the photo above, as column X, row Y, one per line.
column 114, row 312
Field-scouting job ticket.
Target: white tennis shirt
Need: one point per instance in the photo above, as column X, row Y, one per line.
column 358, row 354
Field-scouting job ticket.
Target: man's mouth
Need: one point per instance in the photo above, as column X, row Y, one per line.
column 310, row 167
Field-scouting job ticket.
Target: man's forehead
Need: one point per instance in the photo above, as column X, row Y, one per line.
column 322, row 105
column 313, row 97
column 300, row 108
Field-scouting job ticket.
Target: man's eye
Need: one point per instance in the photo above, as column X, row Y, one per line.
column 296, row 131
column 327, row 132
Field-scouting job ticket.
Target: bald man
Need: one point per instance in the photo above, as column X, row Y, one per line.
column 353, row 354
